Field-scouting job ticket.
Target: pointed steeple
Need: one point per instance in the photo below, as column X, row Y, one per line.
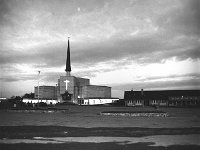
column 68, row 62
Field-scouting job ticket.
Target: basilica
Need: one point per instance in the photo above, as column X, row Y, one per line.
column 76, row 90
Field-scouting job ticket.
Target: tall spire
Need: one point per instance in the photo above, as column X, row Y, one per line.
column 68, row 62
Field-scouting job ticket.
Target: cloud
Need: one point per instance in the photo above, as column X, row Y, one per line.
column 100, row 22
column 169, row 77
column 160, row 85
column 106, row 36
column 17, row 78
column 183, row 19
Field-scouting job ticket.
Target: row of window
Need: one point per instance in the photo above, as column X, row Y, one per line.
column 164, row 102
column 182, row 97
column 137, row 101
column 184, row 102
column 94, row 102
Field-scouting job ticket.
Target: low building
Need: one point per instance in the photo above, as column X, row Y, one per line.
column 3, row 99
column 35, row 101
column 97, row 101
column 183, row 98
column 176, row 98
column 132, row 98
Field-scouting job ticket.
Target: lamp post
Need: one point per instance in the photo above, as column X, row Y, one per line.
column 38, row 85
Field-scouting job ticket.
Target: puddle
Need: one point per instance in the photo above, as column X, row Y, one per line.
column 158, row 140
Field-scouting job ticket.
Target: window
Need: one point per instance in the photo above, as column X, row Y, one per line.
column 138, row 101
column 154, row 102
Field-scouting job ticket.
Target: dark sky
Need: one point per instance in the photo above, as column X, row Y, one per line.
column 131, row 44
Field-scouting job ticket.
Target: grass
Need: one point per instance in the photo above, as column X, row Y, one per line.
column 61, row 131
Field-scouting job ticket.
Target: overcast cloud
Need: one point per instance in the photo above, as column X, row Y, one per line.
column 149, row 44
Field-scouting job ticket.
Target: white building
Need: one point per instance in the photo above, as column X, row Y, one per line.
column 34, row 101
column 97, row 101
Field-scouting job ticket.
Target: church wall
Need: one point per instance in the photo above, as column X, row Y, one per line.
column 58, row 90
column 93, row 91
column 70, row 85
column 82, row 81
column 73, row 86
column 45, row 92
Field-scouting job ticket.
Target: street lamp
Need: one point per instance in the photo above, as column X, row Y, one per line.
column 38, row 85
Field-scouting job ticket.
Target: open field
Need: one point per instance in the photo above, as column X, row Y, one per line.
column 82, row 127
column 89, row 116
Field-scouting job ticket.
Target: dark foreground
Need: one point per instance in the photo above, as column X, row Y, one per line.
column 29, row 132
column 80, row 128
column 94, row 146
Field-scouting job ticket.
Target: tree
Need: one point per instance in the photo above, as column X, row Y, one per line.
column 15, row 99
column 28, row 95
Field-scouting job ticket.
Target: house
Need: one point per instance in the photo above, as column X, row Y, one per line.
column 172, row 98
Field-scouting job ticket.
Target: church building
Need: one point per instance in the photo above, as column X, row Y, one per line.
column 78, row 90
